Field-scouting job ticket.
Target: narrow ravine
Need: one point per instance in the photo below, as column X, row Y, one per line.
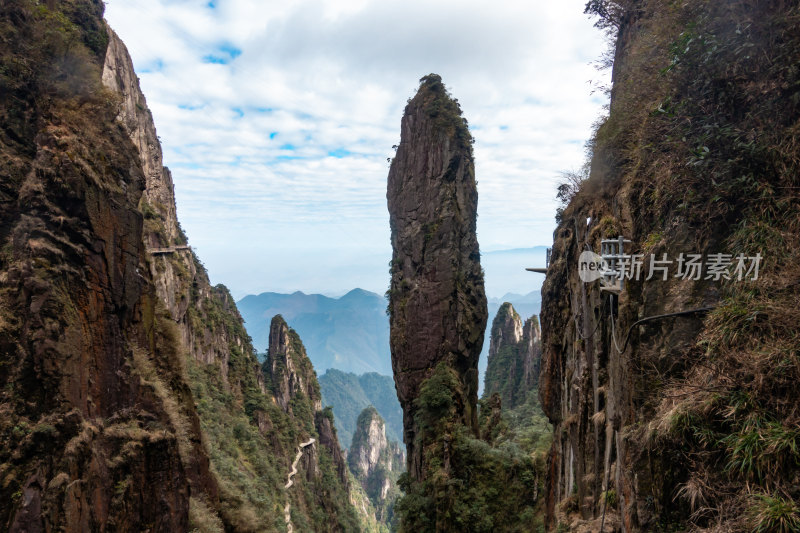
column 287, row 511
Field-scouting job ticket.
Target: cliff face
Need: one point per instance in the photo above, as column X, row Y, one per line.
column 514, row 357
column 124, row 373
column 118, row 75
column 531, row 350
column 437, row 301
column 659, row 423
column 376, row 462
column 288, row 368
column 180, row 280
column 212, row 332
column 326, row 428
column 87, row 418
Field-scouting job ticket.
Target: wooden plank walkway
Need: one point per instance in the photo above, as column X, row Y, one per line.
column 171, row 249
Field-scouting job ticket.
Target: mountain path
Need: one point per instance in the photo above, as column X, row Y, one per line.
column 287, row 511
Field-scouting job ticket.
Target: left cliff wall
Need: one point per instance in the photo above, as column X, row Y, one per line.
column 89, row 371
column 131, row 396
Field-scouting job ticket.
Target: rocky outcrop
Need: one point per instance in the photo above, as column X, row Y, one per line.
column 93, row 424
column 531, row 350
column 653, row 395
column 369, row 442
column 288, row 368
column 121, row 367
column 506, row 329
column 512, row 370
column 437, row 303
column 370, row 450
column 292, row 382
column 375, row 461
column 180, row 280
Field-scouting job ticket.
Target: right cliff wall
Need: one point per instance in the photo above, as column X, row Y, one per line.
column 683, row 422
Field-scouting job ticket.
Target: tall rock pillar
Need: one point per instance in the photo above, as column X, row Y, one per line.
column 437, row 302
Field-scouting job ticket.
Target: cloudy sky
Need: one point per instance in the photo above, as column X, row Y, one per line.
column 277, row 117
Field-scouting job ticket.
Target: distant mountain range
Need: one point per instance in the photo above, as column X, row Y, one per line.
column 350, row 333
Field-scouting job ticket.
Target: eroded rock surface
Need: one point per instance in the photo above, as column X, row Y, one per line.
column 514, row 357
column 645, row 388
column 375, row 461
column 85, row 353
column 288, row 366
column 121, row 367
column 437, row 301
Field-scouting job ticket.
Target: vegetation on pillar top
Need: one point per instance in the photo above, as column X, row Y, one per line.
column 440, row 105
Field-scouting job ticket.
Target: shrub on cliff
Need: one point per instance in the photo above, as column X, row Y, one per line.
column 470, row 486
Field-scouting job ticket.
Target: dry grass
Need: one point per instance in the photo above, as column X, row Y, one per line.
column 704, row 138
column 571, row 420
column 202, row 519
column 82, row 439
column 146, row 371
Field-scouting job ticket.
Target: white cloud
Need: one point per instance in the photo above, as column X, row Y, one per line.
column 276, row 119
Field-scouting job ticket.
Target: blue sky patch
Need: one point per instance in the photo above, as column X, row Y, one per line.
column 215, row 59
column 339, row 153
column 188, row 164
column 155, row 66
column 224, row 54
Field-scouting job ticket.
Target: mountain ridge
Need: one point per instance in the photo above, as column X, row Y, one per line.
column 350, row 333
column 309, row 314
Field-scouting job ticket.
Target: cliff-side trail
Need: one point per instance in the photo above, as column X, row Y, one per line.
column 287, row 510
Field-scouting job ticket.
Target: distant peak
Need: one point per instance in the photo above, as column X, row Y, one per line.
column 358, row 293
